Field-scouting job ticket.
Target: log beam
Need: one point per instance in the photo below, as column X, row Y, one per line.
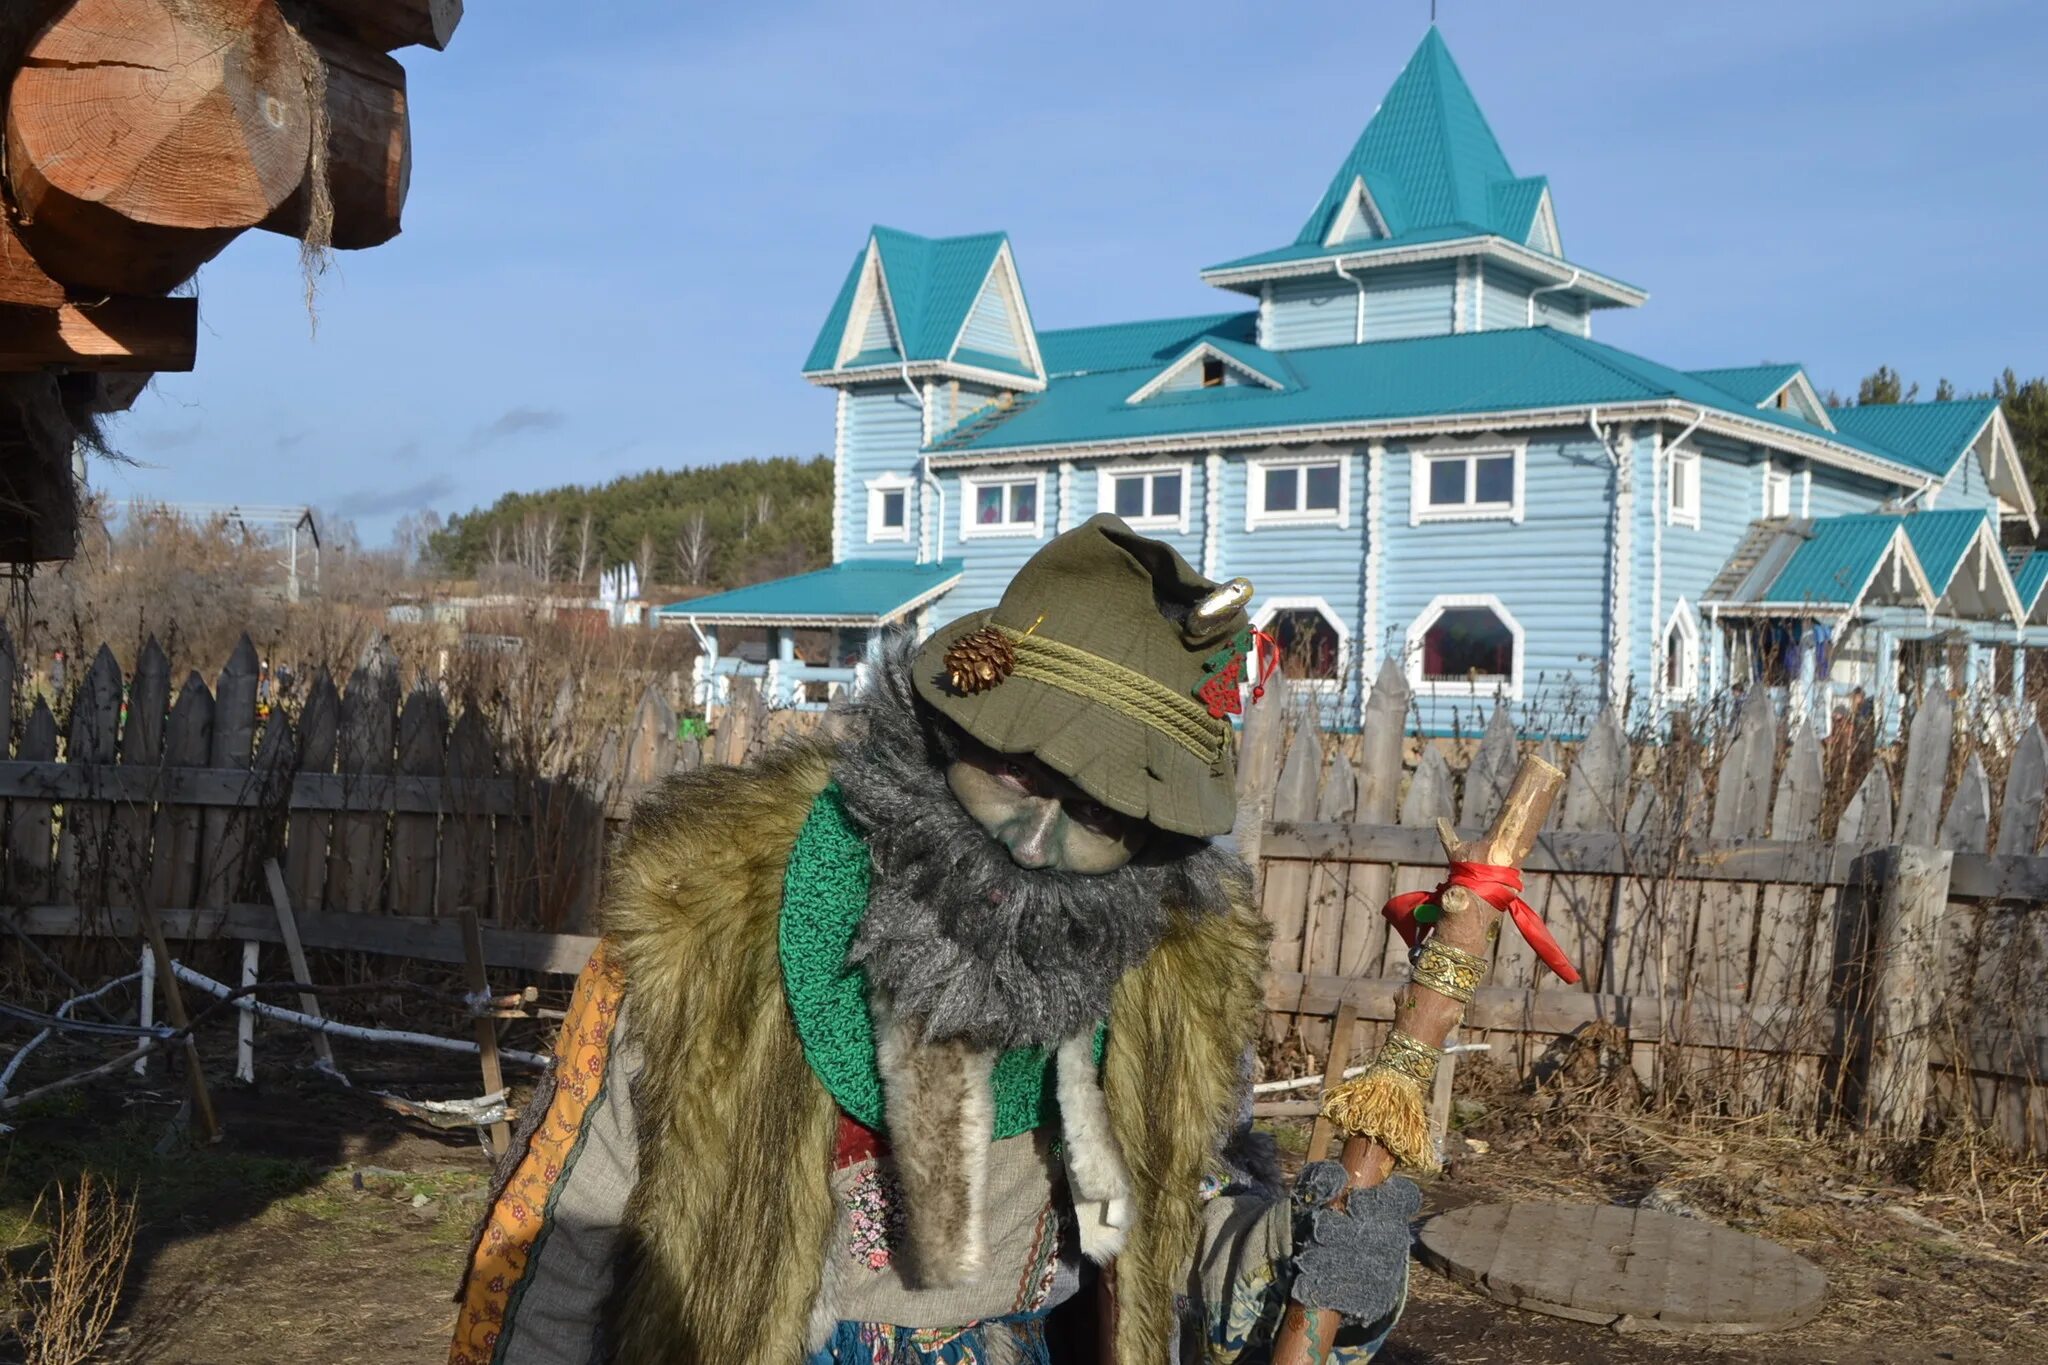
column 121, row 334
column 143, row 135
column 369, row 147
column 388, row 24
column 22, row 280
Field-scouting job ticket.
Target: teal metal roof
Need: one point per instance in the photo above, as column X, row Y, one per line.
column 1133, row 345
column 1835, row 565
column 932, row 284
column 2030, row 577
column 1930, row 437
column 1751, row 383
column 1503, row 371
column 861, row 591
column 1309, row 251
column 1428, row 144
column 1513, row 205
column 1941, row 539
column 1267, row 364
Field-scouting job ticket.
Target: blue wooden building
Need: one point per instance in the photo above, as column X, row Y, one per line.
column 1407, row 437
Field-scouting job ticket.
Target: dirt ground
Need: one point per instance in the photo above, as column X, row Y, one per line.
column 325, row 1230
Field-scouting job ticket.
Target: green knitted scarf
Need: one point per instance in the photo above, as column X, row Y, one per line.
column 824, row 895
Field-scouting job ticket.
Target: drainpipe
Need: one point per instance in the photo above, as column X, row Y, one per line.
column 1549, row 289
column 1916, row 495
column 1358, row 331
column 929, row 481
column 925, row 479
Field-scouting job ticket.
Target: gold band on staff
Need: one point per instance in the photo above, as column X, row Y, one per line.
column 1449, row 971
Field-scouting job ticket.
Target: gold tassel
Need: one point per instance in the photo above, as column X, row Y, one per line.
column 1389, row 1102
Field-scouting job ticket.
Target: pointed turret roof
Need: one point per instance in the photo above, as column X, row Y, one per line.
column 1428, row 155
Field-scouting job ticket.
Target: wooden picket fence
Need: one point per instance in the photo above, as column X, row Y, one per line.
column 1743, row 944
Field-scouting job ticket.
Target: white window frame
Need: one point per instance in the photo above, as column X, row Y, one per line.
column 1105, row 492
column 1682, row 629
column 877, row 488
column 1780, row 478
column 1511, row 689
column 1685, row 472
column 970, row 489
column 1273, row 606
column 1420, row 512
column 1256, row 518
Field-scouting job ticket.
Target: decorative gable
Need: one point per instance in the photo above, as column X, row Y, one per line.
column 1358, row 219
column 1796, row 396
column 1210, row 365
column 998, row 325
column 871, row 327
column 1543, row 231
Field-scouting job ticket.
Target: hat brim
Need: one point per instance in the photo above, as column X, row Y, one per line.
column 1120, row 761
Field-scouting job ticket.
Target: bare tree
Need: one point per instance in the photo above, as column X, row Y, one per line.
column 550, row 541
column 644, row 561
column 693, row 549
column 497, row 546
column 586, row 543
column 764, row 509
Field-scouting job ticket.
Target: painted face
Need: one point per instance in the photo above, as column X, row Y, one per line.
column 1040, row 816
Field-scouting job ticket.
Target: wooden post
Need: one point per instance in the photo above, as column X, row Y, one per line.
column 145, row 1009
column 245, row 1020
column 1468, row 923
column 1899, row 1007
column 295, row 954
column 486, row 1029
column 1286, row 884
column 1340, row 1057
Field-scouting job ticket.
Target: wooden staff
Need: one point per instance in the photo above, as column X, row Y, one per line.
column 1468, row 923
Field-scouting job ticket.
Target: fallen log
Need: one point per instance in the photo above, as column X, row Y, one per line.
column 143, row 135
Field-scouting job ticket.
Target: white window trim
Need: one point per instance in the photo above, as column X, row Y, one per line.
column 1683, row 629
column 877, row 532
column 1256, row 518
column 1686, row 468
column 1771, row 474
column 1273, row 606
column 1105, row 492
column 1419, row 512
column 1511, row 689
column 971, row 487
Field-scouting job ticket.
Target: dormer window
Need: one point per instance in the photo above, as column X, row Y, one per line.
column 1212, row 372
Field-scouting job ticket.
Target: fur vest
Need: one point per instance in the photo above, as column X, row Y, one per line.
column 728, row 1228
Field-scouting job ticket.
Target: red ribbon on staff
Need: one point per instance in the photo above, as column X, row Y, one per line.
column 1499, row 887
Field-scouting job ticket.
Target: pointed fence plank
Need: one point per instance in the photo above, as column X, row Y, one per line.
column 1328, row 895
column 465, row 874
column 650, row 740
column 142, row 746
column 29, row 852
column 1720, row 967
column 2026, row 789
column 1382, row 731
column 422, row 749
column 176, row 831
column 1925, row 780
column 1286, row 891
column 1427, row 801
column 226, row 869
column 307, row 832
column 367, row 745
column 1595, row 799
column 1788, row 923
column 1260, row 751
column 1492, row 771
column 95, row 737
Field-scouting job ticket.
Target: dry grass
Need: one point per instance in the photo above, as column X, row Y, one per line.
column 61, row 1308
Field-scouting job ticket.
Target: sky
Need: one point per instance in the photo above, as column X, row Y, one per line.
column 627, row 220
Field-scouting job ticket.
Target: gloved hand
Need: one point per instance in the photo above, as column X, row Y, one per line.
column 1351, row 1257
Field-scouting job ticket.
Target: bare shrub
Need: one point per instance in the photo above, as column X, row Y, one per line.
column 61, row 1309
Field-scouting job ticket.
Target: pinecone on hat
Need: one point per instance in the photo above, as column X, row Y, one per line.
column 979, row 660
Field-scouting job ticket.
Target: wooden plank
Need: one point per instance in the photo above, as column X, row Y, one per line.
column 1286, row 884
column 142, row 749
column 422, row 747
column 295, row 954
column 1384, row 724
column 197, row 784
column 226, row 870
column 429, row 940
column 82, row 840
column 1925, row 780
column 1595, row 798
column 174, row 1009
column 9, row 671
column 367, row 748
column 306, row 829
column 650, row 740
column 1328, row 885
column 1341, row 1035
column 2013, row 957
column 111, row 333
column 1260, row 751
column 1904, row 989
column 477, row 977
column 175, row 841
column 465, row 873
column 1720, row 965
column 1966, row 828
column 2026, row 792
column 29, row 853
column 1491, row 772
column 1428, row 800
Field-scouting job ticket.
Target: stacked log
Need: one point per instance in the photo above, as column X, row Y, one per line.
column 140, row 138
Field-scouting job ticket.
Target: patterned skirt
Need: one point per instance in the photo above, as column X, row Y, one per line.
column 1018, row 1340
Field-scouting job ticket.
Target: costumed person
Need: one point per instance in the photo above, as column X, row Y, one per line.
column 889, row 1041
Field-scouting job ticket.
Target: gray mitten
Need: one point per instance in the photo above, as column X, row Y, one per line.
column 1351, row 1257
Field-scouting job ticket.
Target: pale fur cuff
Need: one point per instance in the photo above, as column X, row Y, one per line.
column 1095, row 1163
column 941, row 1114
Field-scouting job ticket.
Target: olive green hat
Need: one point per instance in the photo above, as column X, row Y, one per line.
column 1098, row 649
